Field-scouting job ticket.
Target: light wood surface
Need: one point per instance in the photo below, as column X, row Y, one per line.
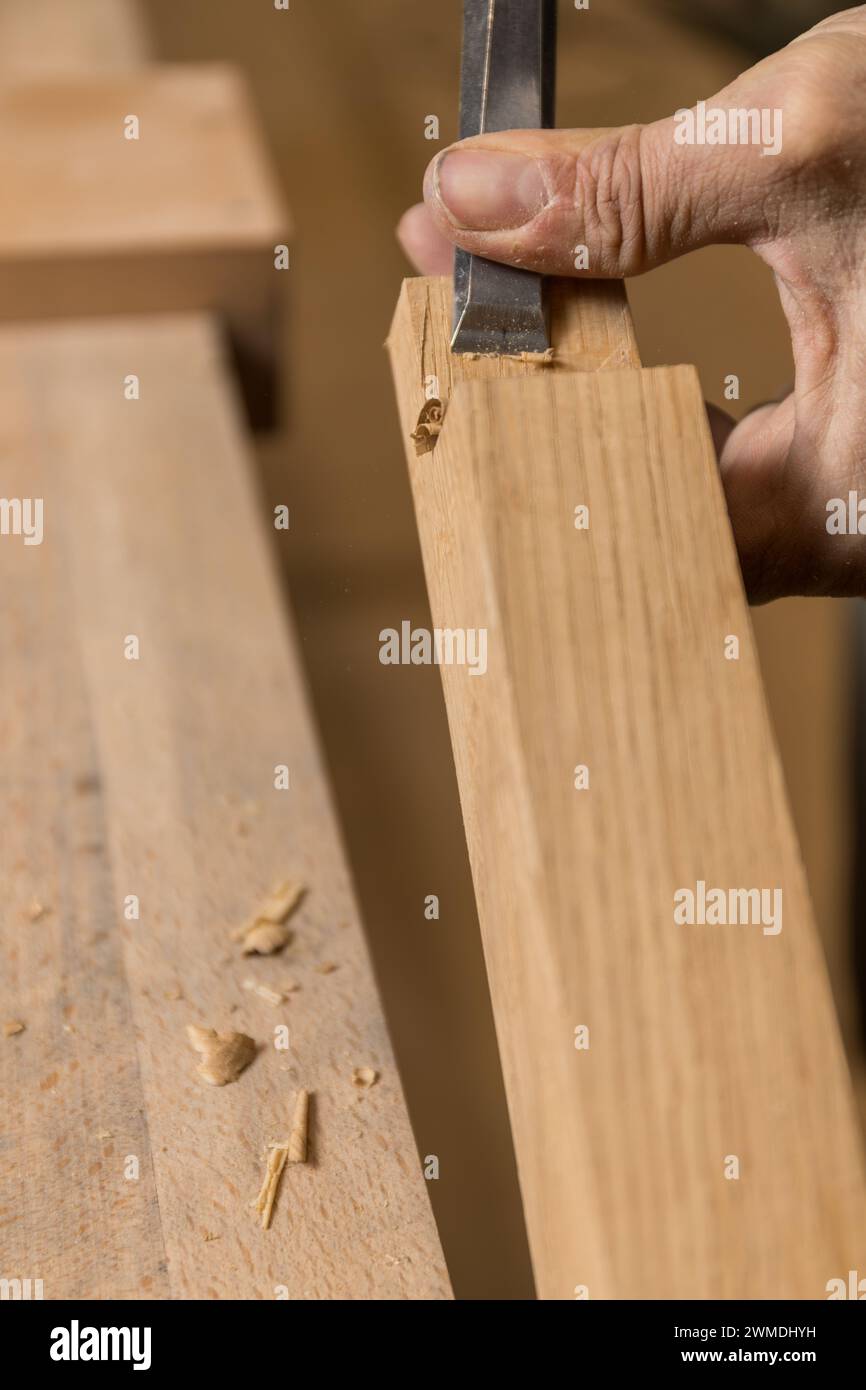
column 607, row 648
column 196, row 177
column 155, row 777
column 187, row 216
column 47, row 37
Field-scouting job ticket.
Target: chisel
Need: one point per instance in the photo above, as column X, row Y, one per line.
column 508, row 82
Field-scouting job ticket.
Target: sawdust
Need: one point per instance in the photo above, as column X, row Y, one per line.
column 291, row 1150
column 36, row 910
column 223, row 1055
column 327, row 967
column 364, row 1077
column 270, row 996
column 265, row 932
column 535, row 359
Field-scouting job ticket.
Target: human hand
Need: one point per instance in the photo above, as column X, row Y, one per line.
column 637, row 197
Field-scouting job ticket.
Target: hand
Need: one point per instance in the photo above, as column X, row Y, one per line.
column 636, row 197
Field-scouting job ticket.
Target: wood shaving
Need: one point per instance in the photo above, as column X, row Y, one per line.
column 270, row 996
column 12, row 1027
column 223, row 1055
column 326, row 968
column 36, row 911
column 264, row 1203
column 265, row 938
column 364, row 1077
column 428, row 428
column 283, row 900
column 291, row 1150
column 265, row 932
column 300, row 1129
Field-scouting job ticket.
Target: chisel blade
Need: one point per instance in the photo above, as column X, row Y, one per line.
column 508, row 82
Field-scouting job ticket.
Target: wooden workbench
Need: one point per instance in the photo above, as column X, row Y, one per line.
column 123, row 1174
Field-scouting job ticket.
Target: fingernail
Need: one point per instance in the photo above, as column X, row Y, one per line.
column 485, row 190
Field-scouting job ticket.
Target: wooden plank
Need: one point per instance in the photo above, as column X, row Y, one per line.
column 607, row 648
column 39, row 38
column 185, row 217
column 195, row 179
column 155, row 777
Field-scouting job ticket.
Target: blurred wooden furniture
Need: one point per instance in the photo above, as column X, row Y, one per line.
column 50, row 37
column 139, row 192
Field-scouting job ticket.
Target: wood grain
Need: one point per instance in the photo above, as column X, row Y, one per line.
column 607, row 648
column 155, row 777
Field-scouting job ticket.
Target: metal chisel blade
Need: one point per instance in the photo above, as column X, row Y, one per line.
column 507, row 83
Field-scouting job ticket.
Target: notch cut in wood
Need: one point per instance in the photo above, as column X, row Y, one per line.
column 611, row 757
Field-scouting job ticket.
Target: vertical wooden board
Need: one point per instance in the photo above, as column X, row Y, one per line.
column 606, row 648
column 151, row 530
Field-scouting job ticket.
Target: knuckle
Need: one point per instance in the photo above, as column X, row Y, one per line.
column 817, row 123
column 608, row 192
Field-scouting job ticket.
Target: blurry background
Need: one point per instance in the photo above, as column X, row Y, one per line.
column 343, row 90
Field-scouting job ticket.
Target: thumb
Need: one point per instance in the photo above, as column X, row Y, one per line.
column 633, row 196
